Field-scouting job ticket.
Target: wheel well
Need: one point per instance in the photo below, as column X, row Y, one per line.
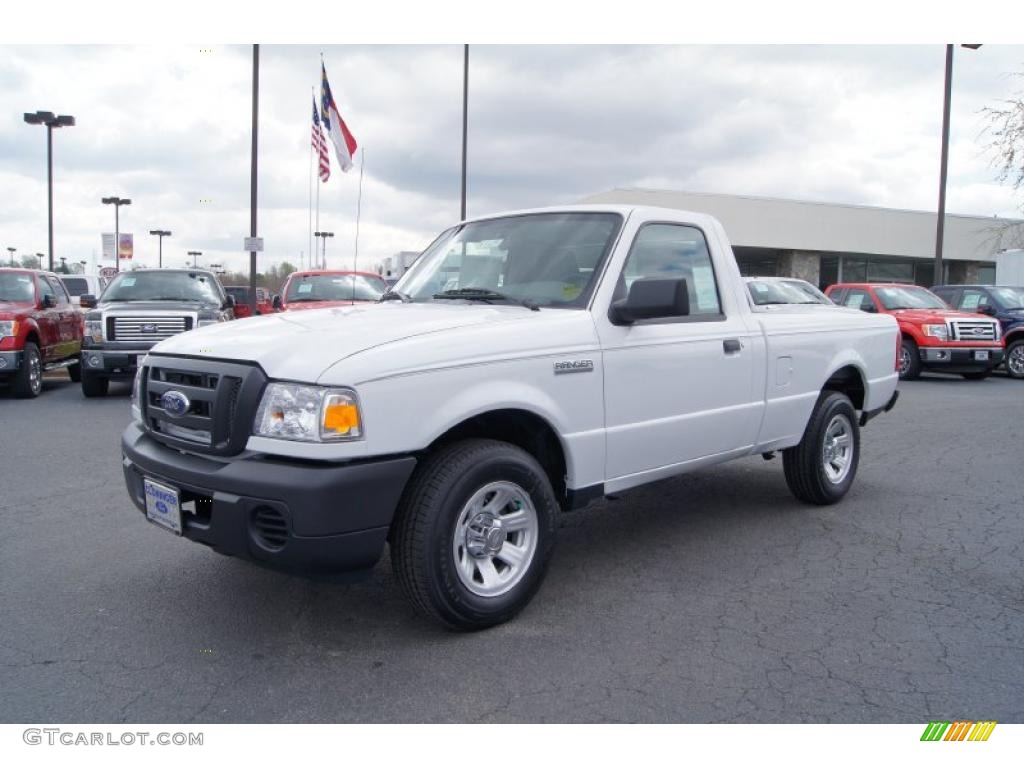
column 1014, row 336
column 520, row 428
column 32, row 337
column 850, row 382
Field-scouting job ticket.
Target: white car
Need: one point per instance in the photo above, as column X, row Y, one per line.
column 527, row 363
column 78, row 286
column 774, row 292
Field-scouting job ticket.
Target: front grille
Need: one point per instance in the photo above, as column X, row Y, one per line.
column 973, row 330
column 206, row 406
column 147, row 328
column 269, row 527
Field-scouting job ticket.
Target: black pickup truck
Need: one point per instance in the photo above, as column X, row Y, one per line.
column 137, row 310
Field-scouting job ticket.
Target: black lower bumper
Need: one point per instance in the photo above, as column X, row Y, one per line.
column 959, row 359
column 10, row 362
column 112, row 362
column 307, row 517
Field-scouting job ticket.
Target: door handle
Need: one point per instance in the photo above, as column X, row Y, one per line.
column 731, row 345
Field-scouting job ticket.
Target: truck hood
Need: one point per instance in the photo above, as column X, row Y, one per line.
column 933, row 315
column 156, row 306
column 12, row 310
column 300, row 346
column 305, row 306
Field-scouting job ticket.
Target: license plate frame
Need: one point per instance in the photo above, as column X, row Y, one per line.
column 163, row 505
column 981, row 354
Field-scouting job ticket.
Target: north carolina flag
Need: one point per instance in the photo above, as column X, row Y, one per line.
column 344, row 142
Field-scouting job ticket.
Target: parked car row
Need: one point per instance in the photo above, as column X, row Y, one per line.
column 961, row 329
column 100, row 331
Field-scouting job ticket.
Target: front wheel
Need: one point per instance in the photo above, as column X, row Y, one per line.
column 1015, row 359
column 474, row 533
column 28, row 382
column 93, row 385
column 910, row 360
column 75, row 372
column 820, row 469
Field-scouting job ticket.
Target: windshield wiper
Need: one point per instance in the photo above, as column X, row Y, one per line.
column 391, row 293
column 485, row 294
column 294, row 301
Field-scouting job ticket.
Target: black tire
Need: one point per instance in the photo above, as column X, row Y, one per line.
column 93, row 385
column 1015, row 359
column 910, row 360
column 976, row 375
column 75, row 372
column 805, row 463
column 424, row 534
column 28, row 381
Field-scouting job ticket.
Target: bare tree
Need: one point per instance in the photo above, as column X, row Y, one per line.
column 1005, row 134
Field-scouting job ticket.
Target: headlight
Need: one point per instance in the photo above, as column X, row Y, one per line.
column 8, row 328
column 94, row 330
column 938, row 331
column 221, row 318
column 308, row 413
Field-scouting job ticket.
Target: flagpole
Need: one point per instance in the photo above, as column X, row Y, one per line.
column 311, row 172
column 359, row 208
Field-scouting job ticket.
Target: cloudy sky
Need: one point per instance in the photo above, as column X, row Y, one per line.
column 169, row 128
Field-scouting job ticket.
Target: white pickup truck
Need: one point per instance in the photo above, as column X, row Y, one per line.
column 528, row 363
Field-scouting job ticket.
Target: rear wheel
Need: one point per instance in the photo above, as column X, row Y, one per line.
column 821, row 468
column 75, row 372
column 93, row 385
column 1015, row 359
column 28, row 381
column 910, row 360
column 474, row 533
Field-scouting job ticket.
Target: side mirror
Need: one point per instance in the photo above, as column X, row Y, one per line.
column 276, row 301
column 87, row 300
column 651, row 298
column 871, row 308
column 229, row 302
column 49, row 302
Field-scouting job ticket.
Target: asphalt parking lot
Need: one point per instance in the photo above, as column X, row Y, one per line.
column 710, row 598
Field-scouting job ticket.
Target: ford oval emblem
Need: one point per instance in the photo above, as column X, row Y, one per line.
column 174, row 403
column 149, row 328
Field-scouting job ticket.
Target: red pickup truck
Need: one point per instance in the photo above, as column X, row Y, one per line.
column 320, row 288
column 39, row 329
column 934, row 337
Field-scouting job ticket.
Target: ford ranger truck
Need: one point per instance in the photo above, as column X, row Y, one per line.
column 138, row 309
column 527, row 364
column 933, row 336
column 40, row 330
column 1004, row 303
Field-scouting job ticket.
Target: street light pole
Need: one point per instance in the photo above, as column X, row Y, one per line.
column 50, row 121
column 323, row 236
column 940, row 224
column 117, row 202
column 465, row 122
column 161, row 233
column 10, row 250
column 195, row 255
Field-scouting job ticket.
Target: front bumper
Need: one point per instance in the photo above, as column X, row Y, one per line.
column 324, row 518
column 114, row 361
column 10, row 362
column 960, row 359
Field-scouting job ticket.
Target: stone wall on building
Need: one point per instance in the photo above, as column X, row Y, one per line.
column 805, row 265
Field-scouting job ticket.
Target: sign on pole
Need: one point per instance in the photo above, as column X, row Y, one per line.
column 108, row 246
column 253, row 244
column 126, row 246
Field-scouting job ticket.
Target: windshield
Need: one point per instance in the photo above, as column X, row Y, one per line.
column 1009, row 298
column 240, row 294
column 335, row 288
column 164, row 286
column 544, row 259
column 909, row 297
column 785, row 292
column 16, row 286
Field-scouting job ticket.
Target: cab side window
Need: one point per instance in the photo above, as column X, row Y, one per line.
column 59, row 293
column 858, row 299
column 972, row 299
column 45, row 289
column 673, row 252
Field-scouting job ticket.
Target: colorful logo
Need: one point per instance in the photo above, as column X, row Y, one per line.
column 959, row 730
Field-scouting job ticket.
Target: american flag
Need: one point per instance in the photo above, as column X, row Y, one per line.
column 320, row 145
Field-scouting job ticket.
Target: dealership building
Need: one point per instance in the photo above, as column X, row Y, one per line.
column 827, row 243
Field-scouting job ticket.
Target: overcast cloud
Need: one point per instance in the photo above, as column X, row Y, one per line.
column 169, row 127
